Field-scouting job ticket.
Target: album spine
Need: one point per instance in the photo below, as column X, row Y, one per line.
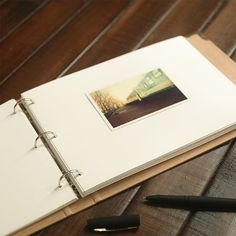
column 46, row 137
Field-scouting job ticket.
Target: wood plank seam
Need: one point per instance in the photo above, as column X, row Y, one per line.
column 229, row 149
column 164, row 16
column 44, row 3
column 86, row 4
column 129, row 49
column 106, row 13
column 220, row 31
column 109, row 26
column 221, row 4
column 90, row 46
column 206, row 188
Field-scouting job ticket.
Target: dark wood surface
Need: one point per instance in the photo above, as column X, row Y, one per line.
column 41, row 40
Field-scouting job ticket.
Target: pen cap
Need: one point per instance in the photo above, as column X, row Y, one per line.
column 114, row 222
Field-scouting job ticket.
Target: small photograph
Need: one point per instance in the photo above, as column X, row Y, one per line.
column 135, row 98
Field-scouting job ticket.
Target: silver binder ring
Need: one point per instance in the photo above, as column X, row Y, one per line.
column 67, row 173
column 46, row 133
column 20, row 101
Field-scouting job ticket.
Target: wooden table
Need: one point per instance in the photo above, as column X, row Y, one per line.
column 42, row 40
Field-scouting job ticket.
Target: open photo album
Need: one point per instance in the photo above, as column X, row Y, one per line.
column 71, row 137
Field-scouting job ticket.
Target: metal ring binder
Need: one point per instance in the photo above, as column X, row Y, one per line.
column 20, row 101
column 43, row 134
column 66, row 173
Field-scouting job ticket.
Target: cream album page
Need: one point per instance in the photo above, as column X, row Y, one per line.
column 29, row 176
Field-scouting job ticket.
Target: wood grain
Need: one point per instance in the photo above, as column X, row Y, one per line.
column 123, row 37
column 223, row 185
column 164, row 27
column 13, row 13
column 63, row 48
column 17, row 49
column 187, row 18
column 222, row 31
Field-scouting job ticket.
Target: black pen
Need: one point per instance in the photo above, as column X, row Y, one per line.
column 198, row 203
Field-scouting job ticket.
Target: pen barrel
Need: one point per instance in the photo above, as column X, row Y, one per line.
column 194, row 202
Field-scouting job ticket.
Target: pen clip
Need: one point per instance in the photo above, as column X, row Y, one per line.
column 113, row 230
column 114, row 223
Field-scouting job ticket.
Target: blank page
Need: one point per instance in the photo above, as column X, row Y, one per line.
column 29, row 176
column 105, row 155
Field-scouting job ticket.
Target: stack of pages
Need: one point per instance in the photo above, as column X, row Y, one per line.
column 73, row 136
